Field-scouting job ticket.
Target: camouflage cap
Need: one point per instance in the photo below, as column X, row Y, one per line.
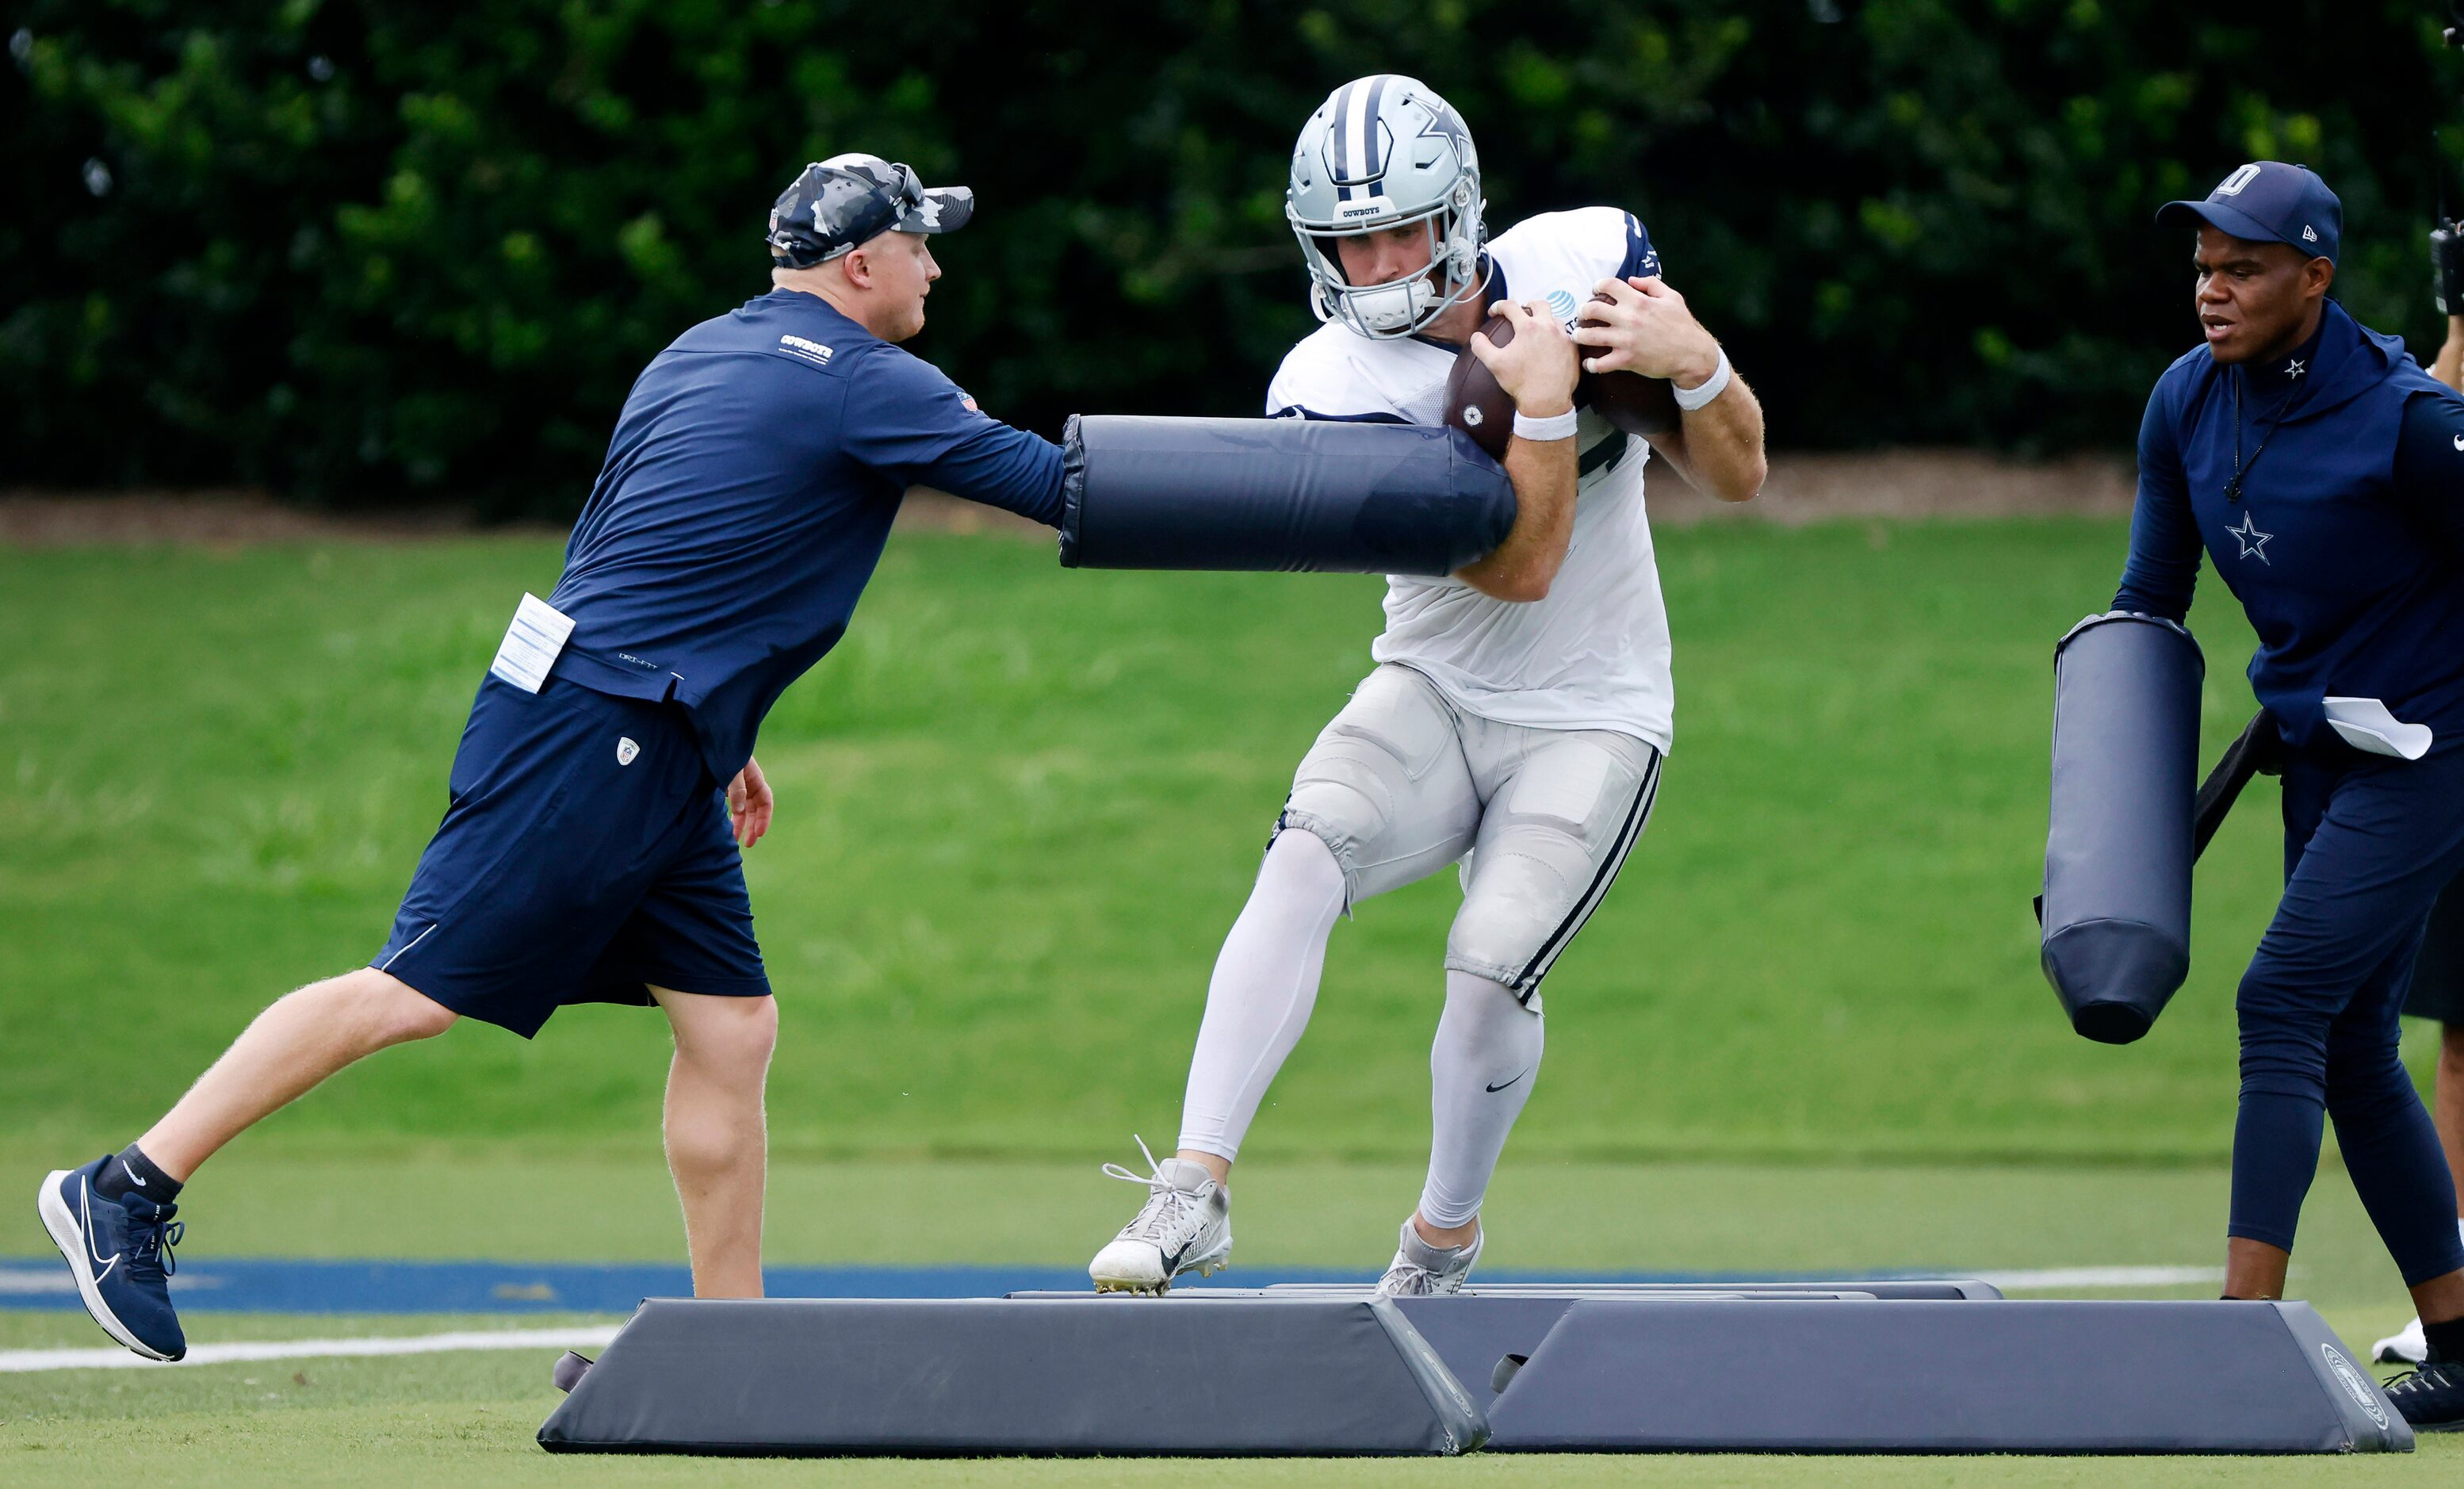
column 840, row 203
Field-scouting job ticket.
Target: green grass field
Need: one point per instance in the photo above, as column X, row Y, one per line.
column 1019, row 805
column 1018, row 808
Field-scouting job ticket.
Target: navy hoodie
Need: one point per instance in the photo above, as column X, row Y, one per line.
column 2346, row 541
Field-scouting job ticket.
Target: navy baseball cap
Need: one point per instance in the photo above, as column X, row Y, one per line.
column 2269, row 202
column 841, row 202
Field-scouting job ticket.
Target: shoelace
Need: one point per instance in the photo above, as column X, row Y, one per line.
column 1409, row 1279
column 2424, row 1377
column 151, row 1240
column 1167, row 1211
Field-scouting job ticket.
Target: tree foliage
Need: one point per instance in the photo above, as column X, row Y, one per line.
column 364, row 252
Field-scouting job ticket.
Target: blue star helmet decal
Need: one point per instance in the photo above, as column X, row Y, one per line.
column 1445, row 124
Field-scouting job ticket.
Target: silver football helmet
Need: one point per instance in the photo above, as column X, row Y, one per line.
column 1387, row 152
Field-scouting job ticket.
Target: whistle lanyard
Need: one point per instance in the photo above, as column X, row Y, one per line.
column 2233, row 487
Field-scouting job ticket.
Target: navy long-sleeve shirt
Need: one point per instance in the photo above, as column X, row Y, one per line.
column 746, row 497
column 2344, row 539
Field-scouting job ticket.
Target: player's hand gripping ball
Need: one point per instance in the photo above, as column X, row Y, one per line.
column 1477, row 405
column 1522, row 353
column 1634, row 401
column 1635, row 335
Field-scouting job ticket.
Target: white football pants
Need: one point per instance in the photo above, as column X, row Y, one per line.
column 1397, row 786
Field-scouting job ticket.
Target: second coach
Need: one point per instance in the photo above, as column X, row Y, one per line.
column 2322, row 472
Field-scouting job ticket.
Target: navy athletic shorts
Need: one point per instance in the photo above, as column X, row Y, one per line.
column 2437, row 989
column 585, row 856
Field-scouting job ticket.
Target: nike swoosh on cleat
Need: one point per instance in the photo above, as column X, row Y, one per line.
column 1502, row 1086
column 85, row 1223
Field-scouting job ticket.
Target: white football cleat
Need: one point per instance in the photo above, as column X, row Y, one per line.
column 1420, row 1270
column 1185, row 1226
column 2407, row 1346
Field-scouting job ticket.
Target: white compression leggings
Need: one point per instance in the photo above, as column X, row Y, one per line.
column 1481, row 1065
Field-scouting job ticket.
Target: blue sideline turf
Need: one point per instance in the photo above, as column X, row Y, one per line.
column 284, row 1285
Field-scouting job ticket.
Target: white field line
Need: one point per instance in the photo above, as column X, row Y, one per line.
column 18, row 1281
column 15, row 1361
column 2052, row 1278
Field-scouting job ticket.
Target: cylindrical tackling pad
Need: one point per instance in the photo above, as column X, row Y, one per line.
column 1278, row 494
column 2117, row 854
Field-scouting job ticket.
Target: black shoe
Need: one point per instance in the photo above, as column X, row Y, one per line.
column 2432, row 1398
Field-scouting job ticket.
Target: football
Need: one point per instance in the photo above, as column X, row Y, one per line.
column 1474, row 402
column 1634, row 403
column 1477, row 405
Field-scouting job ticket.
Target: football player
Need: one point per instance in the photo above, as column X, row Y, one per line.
column 1519, row 710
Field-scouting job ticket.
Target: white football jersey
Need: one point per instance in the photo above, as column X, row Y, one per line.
column 1595, row 653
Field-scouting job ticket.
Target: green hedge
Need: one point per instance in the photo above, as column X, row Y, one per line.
column 364, row 253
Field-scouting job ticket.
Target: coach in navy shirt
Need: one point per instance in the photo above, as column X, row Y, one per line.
column 606, row 786
column 2322, row 472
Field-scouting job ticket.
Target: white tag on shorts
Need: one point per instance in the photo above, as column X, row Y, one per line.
column 532, row 643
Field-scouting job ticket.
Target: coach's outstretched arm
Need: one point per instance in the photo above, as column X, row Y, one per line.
column 1537, row 369
column 902, row 418
column 1645, row 326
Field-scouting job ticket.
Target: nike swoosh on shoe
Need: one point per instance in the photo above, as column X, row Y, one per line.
column 85, row 1224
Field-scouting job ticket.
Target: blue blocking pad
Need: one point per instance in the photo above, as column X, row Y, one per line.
column 1944, row 1377
column 1082, row 1376
column 1908, row 1368
column 2118, row 846
column 1277, row 494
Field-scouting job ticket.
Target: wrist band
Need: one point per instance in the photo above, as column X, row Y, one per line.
column 1557, row 427
column 1690, row 399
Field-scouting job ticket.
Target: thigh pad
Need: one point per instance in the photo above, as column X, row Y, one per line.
column 1548, row 846
column 1386, row 786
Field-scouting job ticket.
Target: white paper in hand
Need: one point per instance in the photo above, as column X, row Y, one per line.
column 532, row 643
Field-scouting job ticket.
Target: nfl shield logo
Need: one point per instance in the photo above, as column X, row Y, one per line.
column 625, row 749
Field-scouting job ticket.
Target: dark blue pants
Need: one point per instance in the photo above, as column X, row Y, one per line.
column 2369, row 842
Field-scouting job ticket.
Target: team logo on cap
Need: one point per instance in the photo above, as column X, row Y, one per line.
column 2231, row 185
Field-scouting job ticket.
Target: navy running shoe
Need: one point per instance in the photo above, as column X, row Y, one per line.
column 119, row 1251
column 2432, row 1398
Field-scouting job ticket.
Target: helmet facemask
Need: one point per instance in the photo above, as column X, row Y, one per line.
column 1412, row 304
